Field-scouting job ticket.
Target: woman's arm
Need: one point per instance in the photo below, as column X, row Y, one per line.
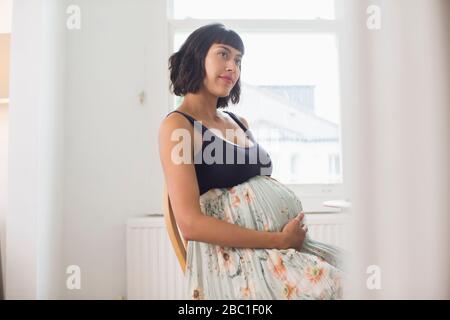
column 184, row 195
column 212, row 230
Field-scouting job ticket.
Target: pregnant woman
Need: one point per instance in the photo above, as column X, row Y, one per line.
column 246, row 233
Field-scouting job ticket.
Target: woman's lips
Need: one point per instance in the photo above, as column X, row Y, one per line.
column 226, row 80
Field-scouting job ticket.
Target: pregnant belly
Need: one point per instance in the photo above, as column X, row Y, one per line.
column 260, row 203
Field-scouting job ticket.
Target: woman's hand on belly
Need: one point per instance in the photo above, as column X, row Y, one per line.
column 294, row 233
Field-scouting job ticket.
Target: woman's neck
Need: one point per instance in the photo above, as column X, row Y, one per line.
column 201, row 106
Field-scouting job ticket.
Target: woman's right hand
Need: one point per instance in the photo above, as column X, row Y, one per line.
column 294, row 233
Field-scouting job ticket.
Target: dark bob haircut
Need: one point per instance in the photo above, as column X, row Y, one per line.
column 187, row 66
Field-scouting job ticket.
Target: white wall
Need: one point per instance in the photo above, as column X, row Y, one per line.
column 112, row 169
column 397, row 122
column 3, row 186
column 34, row 217
column 5, row 27
column 83, row 151
column 5, row 16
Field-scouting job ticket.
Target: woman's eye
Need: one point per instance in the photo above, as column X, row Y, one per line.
column 225, row 54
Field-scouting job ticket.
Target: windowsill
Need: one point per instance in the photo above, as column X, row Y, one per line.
column 341, row 204
column 312, row 205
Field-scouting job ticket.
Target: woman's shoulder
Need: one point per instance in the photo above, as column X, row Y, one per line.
column 177, row 117
column 174, row 120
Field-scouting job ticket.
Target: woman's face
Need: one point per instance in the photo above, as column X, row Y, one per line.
column 223, row 69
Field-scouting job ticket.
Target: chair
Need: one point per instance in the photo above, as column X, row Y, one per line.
column 179, row 244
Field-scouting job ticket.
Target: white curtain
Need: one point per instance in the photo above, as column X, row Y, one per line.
column 396, row 115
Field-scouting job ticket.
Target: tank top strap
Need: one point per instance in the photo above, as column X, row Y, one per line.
column 236, row 119
column 191, row 119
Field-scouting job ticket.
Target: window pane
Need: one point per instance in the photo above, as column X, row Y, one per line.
column 254, row 9
column 290, row 97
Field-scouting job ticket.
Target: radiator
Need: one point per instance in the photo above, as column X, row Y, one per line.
column 153, row 271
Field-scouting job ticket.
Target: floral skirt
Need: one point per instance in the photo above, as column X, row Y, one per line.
column 261, row 203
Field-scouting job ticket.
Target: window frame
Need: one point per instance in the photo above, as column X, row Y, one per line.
column 311, row 195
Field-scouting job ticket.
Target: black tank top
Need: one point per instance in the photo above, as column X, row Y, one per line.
column 217, row 171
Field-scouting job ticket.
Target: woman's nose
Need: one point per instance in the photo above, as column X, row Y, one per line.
column 232, row 66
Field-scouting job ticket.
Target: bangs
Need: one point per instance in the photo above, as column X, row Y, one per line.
column 228, row 37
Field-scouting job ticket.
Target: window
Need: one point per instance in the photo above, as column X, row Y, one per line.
column 334, row 164
column 267, row 9
column 290, row 82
